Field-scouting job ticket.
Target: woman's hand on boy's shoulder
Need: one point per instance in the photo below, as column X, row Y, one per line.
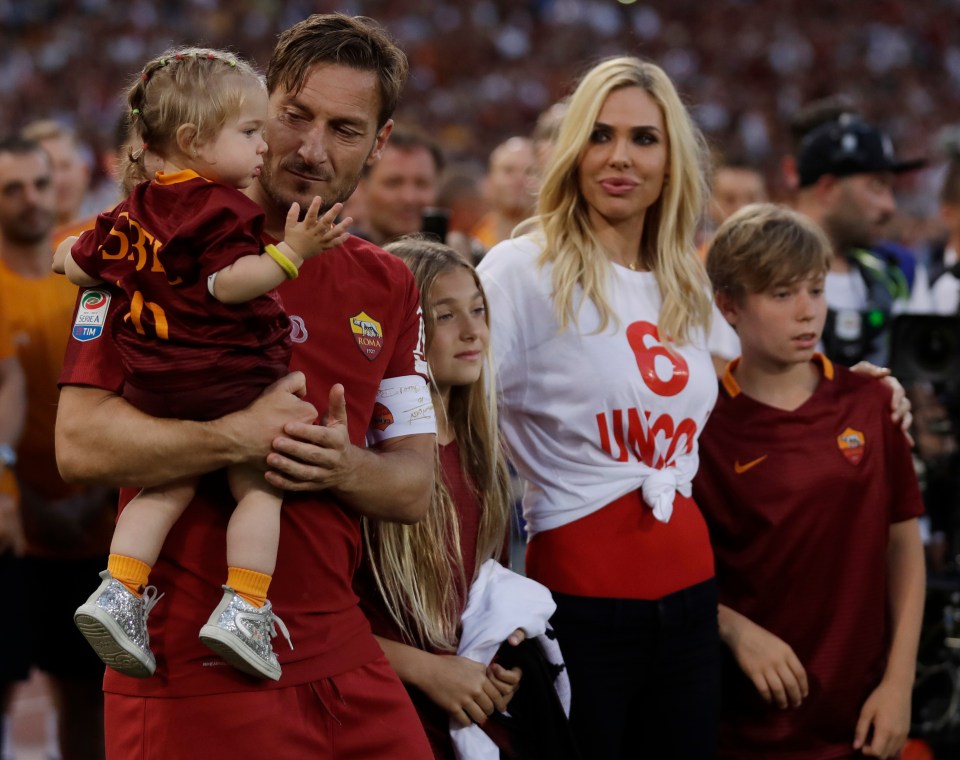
column 900, row 407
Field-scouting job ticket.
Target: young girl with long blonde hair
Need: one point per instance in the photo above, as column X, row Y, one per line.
column 415, row 583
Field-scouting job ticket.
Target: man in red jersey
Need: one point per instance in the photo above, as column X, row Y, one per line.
column 811, row 499
column 333, row 81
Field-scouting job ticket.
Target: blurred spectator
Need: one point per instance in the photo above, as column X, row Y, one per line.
column 803, row 122
column 482, row 71
column 545, row 135
column 460, row 195
column 936, row 289
column 67, row 529
column 71, row 168
column 733, row 185
column 845, row 170
column 397, row 189
column 509, row 189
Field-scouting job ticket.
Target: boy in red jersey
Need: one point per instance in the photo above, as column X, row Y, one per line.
column 809, row 492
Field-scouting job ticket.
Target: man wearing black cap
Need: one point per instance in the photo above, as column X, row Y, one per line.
column 845, row 169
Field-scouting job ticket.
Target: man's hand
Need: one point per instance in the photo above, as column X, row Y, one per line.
column 256, row 427
column 309, row 457
column 887, row 712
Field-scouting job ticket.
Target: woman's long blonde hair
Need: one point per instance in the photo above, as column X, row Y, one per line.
column 667, row 247
column 418, row 567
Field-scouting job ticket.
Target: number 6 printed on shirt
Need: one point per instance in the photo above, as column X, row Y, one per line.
column 647, row 355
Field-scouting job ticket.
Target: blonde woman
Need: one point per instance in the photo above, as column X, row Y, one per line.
column 600, row 311
column 414, row 587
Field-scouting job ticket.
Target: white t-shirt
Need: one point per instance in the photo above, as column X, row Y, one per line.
column 590, row 417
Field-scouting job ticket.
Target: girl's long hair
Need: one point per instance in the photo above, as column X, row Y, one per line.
column 667, row 247
column 417, row 568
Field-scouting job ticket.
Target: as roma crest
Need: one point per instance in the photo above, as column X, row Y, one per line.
column 851, row 443
column 382, row 417
column 368, row 333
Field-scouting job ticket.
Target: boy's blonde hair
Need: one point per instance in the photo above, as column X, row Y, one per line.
column 199, row 86
column 764, row 245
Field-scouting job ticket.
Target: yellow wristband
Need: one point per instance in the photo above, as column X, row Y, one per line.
column 288, row 267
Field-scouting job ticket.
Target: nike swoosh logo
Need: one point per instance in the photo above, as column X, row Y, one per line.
column 742, row 468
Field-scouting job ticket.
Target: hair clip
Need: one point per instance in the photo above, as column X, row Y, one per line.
column 179, row 56
column 163, row 61
column 144, row 76
column 233, row 64
column 135, row 112
column 211, row 56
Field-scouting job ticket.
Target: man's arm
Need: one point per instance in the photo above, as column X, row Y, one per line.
column 390, row 481
column 135, row 449
column 887, row 709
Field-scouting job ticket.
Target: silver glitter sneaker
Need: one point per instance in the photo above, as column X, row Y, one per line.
column 114, row 622
column 241, row 634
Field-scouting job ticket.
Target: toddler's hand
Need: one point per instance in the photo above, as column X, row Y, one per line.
column 315, row 233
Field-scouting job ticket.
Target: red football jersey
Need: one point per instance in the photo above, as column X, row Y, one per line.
column 799, row 506
column 320, row 538
column 160, row 245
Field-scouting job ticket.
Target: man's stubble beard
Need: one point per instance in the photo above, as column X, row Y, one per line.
column 283, row 202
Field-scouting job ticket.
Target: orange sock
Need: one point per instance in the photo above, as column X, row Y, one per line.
column 131, row 572
column 250, row 585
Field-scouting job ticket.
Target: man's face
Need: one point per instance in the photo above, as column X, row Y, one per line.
column 862, row 206
column 397, row 190
column 27, row 197
column 320, row 138
column 71, row 176
column 733, row 188
column 511, row 183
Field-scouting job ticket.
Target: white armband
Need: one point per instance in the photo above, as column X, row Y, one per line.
column 403, row 407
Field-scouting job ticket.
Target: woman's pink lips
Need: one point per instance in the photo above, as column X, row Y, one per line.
column 469, row 355
column 617, row 186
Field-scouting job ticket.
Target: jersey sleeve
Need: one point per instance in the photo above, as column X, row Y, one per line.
column 230, row 226
column 86, row 251
column 906, row 501
column 91, row 358
column 404, row 405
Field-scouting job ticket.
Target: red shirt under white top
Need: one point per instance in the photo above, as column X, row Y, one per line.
column 355, row 318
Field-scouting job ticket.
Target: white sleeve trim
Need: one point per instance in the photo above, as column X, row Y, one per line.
column 403, row 407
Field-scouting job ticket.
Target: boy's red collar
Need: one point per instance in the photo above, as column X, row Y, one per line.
column 732, row 387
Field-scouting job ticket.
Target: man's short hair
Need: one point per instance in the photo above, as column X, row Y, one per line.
column 19, row 145
column 764, row 245
column 408, row 138
column 357, row 42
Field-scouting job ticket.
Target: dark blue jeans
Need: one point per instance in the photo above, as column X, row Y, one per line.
column 644, row 675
